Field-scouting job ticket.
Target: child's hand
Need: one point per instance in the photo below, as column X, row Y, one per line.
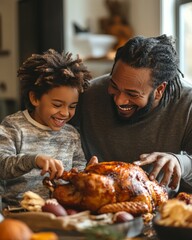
column 93, row 160
column 51, row 165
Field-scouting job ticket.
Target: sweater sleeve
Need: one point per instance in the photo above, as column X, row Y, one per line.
column 12, row 163
column 185, row 161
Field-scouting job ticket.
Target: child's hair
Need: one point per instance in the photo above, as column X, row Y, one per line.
column 41, row 73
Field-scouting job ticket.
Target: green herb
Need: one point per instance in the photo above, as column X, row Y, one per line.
column 103, row 233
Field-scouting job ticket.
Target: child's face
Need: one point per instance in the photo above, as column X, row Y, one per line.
column 56, row 107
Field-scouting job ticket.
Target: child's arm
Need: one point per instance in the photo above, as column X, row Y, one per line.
column 13, row 163
column 19, row 151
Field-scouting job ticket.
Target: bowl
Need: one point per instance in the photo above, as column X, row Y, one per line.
column 101, row 44
column 171, row 232
column 94, row 45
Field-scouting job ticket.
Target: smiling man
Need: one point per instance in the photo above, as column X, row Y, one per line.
column 132, row 91
column 141, row 112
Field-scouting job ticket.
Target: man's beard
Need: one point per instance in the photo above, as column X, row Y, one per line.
column 138, row 115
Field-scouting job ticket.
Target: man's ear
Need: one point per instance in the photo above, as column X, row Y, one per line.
column 34, row 101
column 160, row 90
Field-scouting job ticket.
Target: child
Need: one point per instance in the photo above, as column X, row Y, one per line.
column 38, row 140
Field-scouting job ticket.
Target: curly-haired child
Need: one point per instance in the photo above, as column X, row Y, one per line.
column 38, row 140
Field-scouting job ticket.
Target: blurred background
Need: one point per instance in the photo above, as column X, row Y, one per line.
column 93, row 29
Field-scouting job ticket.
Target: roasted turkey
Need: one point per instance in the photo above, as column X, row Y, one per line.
column 109, row 187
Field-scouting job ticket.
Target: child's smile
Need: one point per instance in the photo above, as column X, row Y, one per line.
column 56, row 107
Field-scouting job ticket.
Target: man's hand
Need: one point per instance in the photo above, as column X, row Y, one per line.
column 165, row 162
column 51, row 165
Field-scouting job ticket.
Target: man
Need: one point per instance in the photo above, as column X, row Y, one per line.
column 141, row 112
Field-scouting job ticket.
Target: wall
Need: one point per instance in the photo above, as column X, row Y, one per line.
column 145, row 17
column 8, row 63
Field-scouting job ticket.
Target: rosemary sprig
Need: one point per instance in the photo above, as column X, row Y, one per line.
column 103, row 233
